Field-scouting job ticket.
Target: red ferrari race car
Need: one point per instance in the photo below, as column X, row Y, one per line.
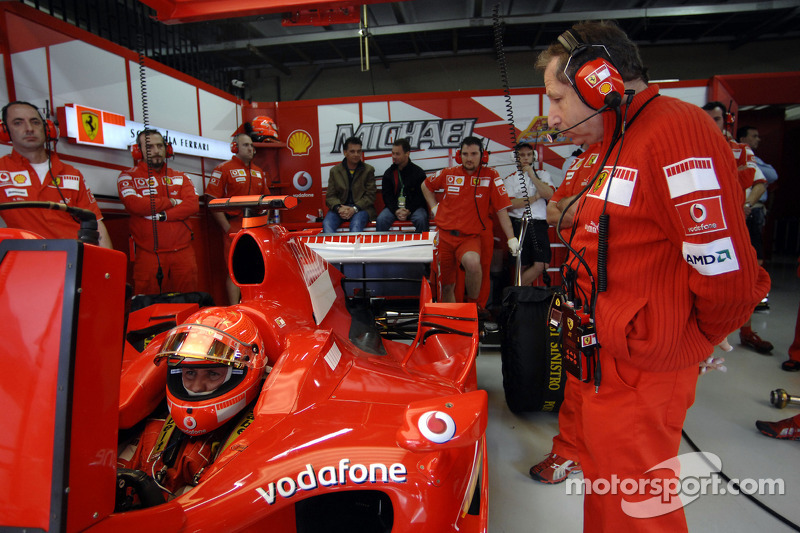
column 346, row 430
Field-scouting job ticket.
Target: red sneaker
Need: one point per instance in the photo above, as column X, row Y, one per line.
column 783, row 429
column 752, row 340
column 554, row 469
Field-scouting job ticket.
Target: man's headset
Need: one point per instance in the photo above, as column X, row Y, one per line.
column 595, row 78
column 136, row 150
column 235, row 143
column 51, row 132
column 484, row 154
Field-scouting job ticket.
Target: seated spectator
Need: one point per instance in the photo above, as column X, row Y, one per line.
column 402, row 195
column 351, row 191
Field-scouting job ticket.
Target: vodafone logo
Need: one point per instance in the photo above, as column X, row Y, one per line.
column 189, row 422
column 703, row 215
column 302, row 181
column 698, row 212
column 437, row 426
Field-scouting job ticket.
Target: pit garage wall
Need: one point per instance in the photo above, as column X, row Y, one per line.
column 46, row 60
column 312, row 133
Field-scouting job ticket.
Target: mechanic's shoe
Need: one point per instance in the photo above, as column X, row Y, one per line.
column 783, row 429
column 752, row 340
column 554, row 469
column 790, row 365
column 763, row 305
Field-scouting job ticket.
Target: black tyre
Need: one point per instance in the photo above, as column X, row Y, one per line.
column 533, row 374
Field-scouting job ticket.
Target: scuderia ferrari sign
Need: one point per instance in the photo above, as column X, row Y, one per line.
column 95, row 127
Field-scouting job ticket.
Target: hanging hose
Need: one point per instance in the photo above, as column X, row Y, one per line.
column 497, row 28
column 150, row 172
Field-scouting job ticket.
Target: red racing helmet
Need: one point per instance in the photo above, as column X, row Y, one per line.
column 217, row 338
column 262, row 129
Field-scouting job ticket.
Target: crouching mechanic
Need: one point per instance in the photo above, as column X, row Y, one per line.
column 471, row 190
column 214, row 357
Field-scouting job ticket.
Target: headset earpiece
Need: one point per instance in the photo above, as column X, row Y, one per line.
column 234, row 147
column 51, row 132
column 484, row 156
column 596, row 80
column 136, row 150
column 136, row 153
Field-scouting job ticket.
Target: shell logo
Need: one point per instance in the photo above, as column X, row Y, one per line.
column 299, row 142
column 437, row 426
column 605, row 88
column 19, row 178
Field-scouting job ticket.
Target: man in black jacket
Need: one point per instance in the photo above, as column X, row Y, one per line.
column 402, row 196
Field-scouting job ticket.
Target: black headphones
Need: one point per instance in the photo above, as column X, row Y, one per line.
column 50, row 127
column 594, row 76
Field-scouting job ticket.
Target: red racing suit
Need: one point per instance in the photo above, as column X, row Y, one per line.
column 177, row 460
column 20, row 183
column 167, row 184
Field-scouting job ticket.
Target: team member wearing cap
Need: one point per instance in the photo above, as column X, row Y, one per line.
column 34, row 173
column 238, row 176
column 159, row 200
column 471, row 191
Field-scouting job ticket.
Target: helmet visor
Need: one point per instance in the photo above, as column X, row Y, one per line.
column 201, row 344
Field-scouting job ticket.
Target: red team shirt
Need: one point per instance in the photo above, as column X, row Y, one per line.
column 135, row 193
column 463, row 194
column 20, row 183
column 234, row 178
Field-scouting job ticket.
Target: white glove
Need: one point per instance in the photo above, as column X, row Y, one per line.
column 713, row 363
column 434, row 209
column 513, row 246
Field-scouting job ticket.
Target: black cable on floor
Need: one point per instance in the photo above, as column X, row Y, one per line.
column 750, row 497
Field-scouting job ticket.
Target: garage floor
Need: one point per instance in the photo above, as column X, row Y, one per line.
column 722, row 421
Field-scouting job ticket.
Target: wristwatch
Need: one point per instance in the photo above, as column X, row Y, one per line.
column 355, row 208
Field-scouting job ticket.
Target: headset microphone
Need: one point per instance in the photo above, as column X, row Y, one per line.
column 550, row 138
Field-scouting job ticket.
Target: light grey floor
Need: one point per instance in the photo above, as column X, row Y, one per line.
column 722, row 421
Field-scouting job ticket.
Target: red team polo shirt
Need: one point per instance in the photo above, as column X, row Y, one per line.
column 20, row 183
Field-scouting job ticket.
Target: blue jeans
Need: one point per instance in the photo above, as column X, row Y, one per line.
column 419, row 218
column 332, row 221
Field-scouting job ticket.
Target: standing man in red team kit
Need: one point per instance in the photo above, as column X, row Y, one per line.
column 160, row 200
column 238, row 176
column 658, row 293
column 471, row 192
column 34, row 173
